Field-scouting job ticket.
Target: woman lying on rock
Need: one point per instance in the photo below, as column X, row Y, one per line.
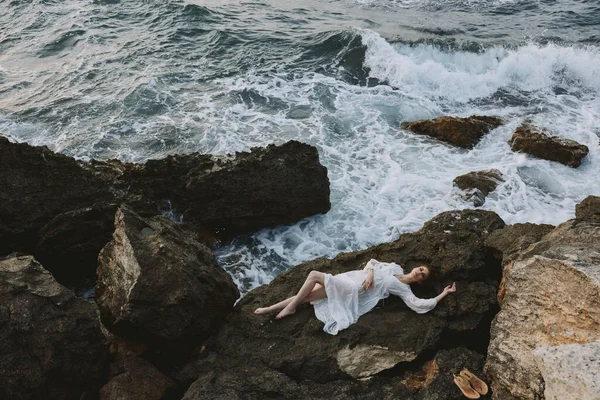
column 339, row 300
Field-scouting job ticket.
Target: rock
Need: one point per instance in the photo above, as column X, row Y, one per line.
column 461, row 132
column 158, row 286
column 478, row 184
column 539, row 143
column 570, row 371
column 133, row 379
column 589, row 209
column 50, row 340
column 60, row 209
column 552, row 298
column 508, row 242
column 384, row 339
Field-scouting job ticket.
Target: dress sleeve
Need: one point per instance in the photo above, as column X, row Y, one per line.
column 421, row 306
column 371, row 265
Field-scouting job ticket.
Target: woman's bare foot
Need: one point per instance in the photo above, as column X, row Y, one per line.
column 285, row 312
column 263, row 310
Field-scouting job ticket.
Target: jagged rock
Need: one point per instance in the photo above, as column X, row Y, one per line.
column 389, row 337
column 57, row 208
column 50, row 340
column 134, row 378
column 461, row 132
column 589, row 209
column 570, row 371
column 157, row 285
column 477, row 185
column 506, row 243
column 551, row 298
column 539, row 143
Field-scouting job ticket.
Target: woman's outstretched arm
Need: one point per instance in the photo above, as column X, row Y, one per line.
column 447, row 289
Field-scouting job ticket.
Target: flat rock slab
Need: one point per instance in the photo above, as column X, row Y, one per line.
column 50, row 340
column 477, row 185
column 539, row 143
column 461, row 132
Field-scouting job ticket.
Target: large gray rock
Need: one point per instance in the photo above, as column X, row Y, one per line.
column 159, row 286
column 461, row 132
column 59, row 209
column 539, row 143
column 551, row 298
column 589, row 209
column 385, row 339
column 508, row 242
column 50, row 340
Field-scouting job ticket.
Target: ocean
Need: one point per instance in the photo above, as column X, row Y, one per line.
column 136, row 80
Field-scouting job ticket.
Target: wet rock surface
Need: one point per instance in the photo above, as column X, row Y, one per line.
column 477, row 185
column 389, row 338
column 58, row 208
column 158, row 286
column 551, row 298
column 50, row 340
column 539, row 143
column 461, row 132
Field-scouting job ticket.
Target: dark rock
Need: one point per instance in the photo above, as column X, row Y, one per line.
column 539, row 143
column 158, row 286
column 589, row 209
column 508, row 242
column 478, row 184
column 461, row 132
column 297, row 348
column 134, row 378
column 57, row 208
column 50, row 340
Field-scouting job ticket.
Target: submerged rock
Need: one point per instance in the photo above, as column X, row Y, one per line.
column 60, row 209
column 461, row 132
column 296, row 349
column 50, row 340
column 158, row 286
column 477, row 185
column 551, row 298
column 539, row 143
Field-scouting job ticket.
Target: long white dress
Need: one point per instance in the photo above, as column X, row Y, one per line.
column 347, row 300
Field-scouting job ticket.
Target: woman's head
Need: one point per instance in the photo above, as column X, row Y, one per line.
column 421, row 273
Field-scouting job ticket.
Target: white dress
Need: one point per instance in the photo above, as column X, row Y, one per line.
column 346, row 299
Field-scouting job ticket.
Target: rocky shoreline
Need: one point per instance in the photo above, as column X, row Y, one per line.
column 526, row 316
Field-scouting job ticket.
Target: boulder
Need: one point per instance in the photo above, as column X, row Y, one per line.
column 539, row 143
column 60, row 209
column 134, row 378
column 551, row 298
column 589, row 209
column 477, row 185
column 50, row 340
column 507, row 243
column 387, row 339
column 158, row 286
column 461, row 132
column 570, row 371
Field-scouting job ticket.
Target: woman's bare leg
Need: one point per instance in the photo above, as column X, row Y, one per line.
column 314, row 278
column 317, row 294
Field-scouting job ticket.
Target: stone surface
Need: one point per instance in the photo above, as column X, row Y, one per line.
column 461, row 132
column 296, row 349
column 539, row 143
column 589, row 209
column 134, row 379
column 570, row 371
column 158, row 286
column 50, row 340
column 477, row 185
column 57, row 208
column 551, row 298
column 508, row 242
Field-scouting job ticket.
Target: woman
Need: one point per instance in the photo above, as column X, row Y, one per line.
column 339, row 300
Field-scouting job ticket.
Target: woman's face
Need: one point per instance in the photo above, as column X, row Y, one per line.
column 421, row 273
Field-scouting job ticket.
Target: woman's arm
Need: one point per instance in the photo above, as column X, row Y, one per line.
column 447, row 289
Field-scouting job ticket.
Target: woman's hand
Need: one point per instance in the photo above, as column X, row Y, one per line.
column 368, row 283
column 450, row 289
